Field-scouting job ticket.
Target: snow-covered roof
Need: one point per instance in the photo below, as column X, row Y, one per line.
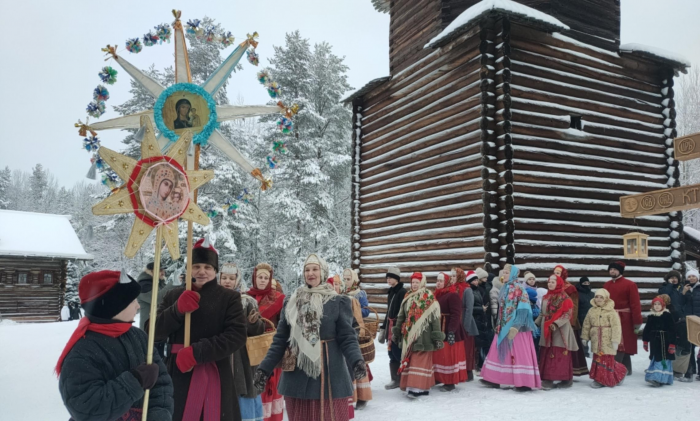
column 656, row 54
column 472, row 15
column 382, row 5
column 692, row 233
column 39, row 235
column 366, row 88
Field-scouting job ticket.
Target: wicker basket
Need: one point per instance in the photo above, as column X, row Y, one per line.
column 257, row 346
column 366, row 345
column 372, row 323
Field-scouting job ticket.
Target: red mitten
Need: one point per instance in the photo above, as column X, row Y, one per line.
column 188, row 302
column 185, row 359
column 646, row 346
column 672, row 349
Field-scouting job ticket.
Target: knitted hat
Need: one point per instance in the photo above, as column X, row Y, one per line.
column 480, row 273
column 692, row 272
column 659, row 299
column 619, row 265
column 204, row 253
column 394, row 272
column 673, row 274
column 471, row 276
column 584, row 279
column 229, row 269
column 106, row 293
column 529, row 275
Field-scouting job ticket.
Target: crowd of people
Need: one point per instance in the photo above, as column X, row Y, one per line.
column 500, row 327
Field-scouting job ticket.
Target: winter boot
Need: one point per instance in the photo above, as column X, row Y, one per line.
column 416, row 395
column 685, row 379
column 654, row 383
column 523, row 389
column 360, row 405
column 565, row 384
column 470, row 376
column 596, row 385
column 395, row 379
column 489, row 384
column 547, row 385
column 447, row 387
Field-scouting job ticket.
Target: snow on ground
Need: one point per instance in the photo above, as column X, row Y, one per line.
column 29, row 390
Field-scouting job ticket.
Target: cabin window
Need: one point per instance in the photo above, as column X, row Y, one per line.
column 48, row 279
column 575, row 122
column 22, row 278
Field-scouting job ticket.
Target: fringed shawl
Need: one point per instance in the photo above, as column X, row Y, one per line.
column 514, row 311
column 558, row 303
column 421, row 310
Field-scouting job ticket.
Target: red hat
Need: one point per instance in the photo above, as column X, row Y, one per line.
column 417, row 275
column 106, row 293
column 205, row 253
column 564, row 272
column 619, row 265
column 659, row 299
column 330, row 280
column 470, row 276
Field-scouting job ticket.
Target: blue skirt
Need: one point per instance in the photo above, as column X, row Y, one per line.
column 658, row 373
column 251, row 408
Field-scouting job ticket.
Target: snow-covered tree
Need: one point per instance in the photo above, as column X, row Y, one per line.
column 38, row 183
column 688, row 119
column 5, row 181
column 72, row 281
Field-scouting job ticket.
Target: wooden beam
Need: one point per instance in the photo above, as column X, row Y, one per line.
column 660, row 201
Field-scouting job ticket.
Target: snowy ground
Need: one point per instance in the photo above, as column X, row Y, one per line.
column 29, row 390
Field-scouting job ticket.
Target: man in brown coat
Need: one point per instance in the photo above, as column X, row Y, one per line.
column 202, row 374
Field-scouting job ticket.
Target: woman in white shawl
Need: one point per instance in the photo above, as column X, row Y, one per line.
column 316, row 325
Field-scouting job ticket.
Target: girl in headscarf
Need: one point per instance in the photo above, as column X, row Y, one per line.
column 316, row 326
column 249, row 401
column 602, row 327
column 557, row 339
column 460, row 281
column 270, row 304
column 352, row 287
column 512, row 359
column 659, row 338
column 578, row 357
column 449, row 363
column 418, row 334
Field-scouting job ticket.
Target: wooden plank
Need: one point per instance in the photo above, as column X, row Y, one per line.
column 660, row 201
column 687, row 147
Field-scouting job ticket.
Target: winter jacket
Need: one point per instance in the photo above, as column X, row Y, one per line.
column 563, row 336
column 468, row 304
column 341, row 340
column 532, row 295
column 659, row 332
column 145, row 279
column 691, row 301
column 427, row 339
column 218, row 329
column 96, row 384
column 625, row 294
column 493, row 299
column 394, row 300
column 364, row 302
column 585, row 295
column 242, row 370
column 677, row 299
column 451, row 315
column 602, row 327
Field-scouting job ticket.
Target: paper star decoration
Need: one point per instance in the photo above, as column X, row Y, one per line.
column 207, row 131
column 144, row 202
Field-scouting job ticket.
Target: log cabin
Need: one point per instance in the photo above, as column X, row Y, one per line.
column 505, row 132
column 34, row 251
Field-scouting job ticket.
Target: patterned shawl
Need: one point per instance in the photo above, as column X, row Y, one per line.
column 558, row 303
column 421, row 309
column 270, row 301
column 461, row 282
column 514, row 310
column 355, row 288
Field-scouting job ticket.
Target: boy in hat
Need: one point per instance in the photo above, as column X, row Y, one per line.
column 202, row 373
column 628, row 306
column 396, row 295
column 102, row 370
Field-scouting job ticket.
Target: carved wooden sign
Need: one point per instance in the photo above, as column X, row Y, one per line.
column 660, row 201
column 687, row 147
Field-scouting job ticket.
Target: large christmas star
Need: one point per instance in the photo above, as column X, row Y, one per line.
column 156, row 190
column 180, row 100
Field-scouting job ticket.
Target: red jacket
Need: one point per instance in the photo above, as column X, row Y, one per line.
column 451, row 315
column 628, row 306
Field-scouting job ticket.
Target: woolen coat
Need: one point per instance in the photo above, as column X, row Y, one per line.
column 602, row 327
column 625, row 294
column 563, row 335
column 218, row 329
column 96, row 384
column 145, row 280
column 468, row 322
column 242, row 370
column 451, row 315
column 691, row 301
column 660, row 332
column 341, row 339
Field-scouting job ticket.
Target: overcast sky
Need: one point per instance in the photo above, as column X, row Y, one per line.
column 51, row 56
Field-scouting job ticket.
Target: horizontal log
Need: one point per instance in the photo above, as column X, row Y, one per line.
column 415, row 246
column 472, row 224
column 552, row 179
column 434, row 231
column 468, row 174
column 532, row 224
column 455, row 198
column 465, row 179
column 458, row 211
column 472, row 192
column 591, row 217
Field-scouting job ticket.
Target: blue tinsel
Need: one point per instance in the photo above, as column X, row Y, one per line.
column 91, row 143
column 200, row 138
column 163, row 31
column 96, row 109
column 193, row 26
column 150, row 39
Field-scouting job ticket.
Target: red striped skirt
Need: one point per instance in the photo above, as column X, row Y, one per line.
column 419, row 373
column 273, row 403
column 606, row 371
column 310, row 409
column 449, row 364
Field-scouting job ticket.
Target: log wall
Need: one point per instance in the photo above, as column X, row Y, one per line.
column 34, row 300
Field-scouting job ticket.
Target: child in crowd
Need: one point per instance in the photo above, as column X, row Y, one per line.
column 659, row 338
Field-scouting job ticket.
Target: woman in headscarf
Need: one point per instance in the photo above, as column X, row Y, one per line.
column 418, row 334
column 352, row 288
column 461, row 281
column 557, row 340
column 578, row 357
column 249, row 401
column 449, row 363
column 270, row 304
column 316, row 325
column 512, row 359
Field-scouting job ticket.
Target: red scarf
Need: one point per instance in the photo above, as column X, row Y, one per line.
column 270, row 301
column 461, row 284
column 558, row 303
column 113, row 330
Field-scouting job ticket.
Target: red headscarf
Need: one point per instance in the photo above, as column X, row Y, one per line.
column 461, row 283
column 270, row 301
column 558, row 303
column 568, row 287
column 447, row 288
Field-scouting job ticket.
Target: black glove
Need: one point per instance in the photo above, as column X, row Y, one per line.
column 259, row 381
column 360, row 370
column 146, row 374
column 439, row 344
column 451, row 338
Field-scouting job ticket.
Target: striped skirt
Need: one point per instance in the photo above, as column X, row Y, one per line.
column 606, row 371
column 418, row 376
column 449, row 364
column 518, row 369
column 361, row 390
column 272, row 401
column 310, row 409
column 660, row 371
column 251, row 408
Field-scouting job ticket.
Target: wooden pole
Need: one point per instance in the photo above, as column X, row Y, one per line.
column 188, row 272
column 154, row 307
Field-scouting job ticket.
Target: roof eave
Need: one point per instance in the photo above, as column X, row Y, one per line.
column 674, row 64
column 369, row 86
column 69, row 256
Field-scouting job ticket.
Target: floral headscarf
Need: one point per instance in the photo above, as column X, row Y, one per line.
column 355, row 287
column 514, row 310
column 421, row 309
column 558, row 303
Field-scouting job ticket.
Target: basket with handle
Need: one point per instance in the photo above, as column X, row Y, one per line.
column 366, row 345
column 257, row 346
column 372, row 324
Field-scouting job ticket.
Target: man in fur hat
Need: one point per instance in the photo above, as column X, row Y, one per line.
column 396, row 295
column 629, row 307
column 218, row 329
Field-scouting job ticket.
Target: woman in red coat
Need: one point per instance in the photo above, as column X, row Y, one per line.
column 450, row 362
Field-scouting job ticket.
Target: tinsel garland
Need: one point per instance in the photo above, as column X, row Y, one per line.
column 272, row 162
column 227, row 39
column 108, row 75
column 100, row 93
column 150, row 39
column 91, row 143
column 164, row 33
column 96, row 109
column 285, row 125
column 134, row 45
column 253, row 57
column 200, row 138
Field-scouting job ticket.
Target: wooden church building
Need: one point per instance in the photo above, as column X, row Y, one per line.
column 506, row 132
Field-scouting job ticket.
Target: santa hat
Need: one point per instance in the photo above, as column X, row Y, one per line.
column 619, row 265
column 229, row 269
column 106, row 293
column 480, row 273
column 205, row 253
column 471, row 276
